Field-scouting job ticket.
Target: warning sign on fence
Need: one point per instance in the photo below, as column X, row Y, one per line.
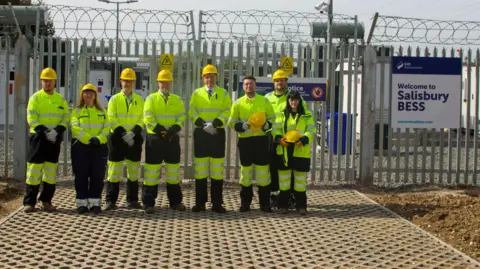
column 286, row 64
column 166, row 61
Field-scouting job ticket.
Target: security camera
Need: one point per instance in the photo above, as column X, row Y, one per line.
column 322, row 7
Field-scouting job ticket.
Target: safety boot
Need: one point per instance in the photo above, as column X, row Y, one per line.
column 48, row 207
column 29, row 209
column 302, row 211
column 132, row 194
column 246, row 196
column 96, row 210
column 178, row 207
column 149, row 210
column 110, row 206
column 82, row 210
column 216, row 193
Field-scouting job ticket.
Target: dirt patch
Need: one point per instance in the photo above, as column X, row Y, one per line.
column 453, row 215
column 11, row 196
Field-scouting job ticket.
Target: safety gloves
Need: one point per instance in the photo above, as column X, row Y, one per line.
column 52, row 136
column 128, row 138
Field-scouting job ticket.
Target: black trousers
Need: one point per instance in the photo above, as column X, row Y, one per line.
column 40, row 150
column 273, row 163
column 88, row 165
column 210, row 146
column 118, row 150
column 158, row 150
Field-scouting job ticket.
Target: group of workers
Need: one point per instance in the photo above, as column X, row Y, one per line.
column 275, row 132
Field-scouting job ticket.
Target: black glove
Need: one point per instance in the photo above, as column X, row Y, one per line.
column 137, row 130
column 304, row 140
column 40, row 129
column 217, row 123
column 277, row 139
column 239, row 127
column 172, row 131
column 60, row 129
column 159, row 129
column 94, row 141
column 199, row 122
column 268, row 127
column 120, row 131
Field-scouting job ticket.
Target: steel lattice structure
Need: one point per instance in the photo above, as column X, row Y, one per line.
column 261, row 25
column 390, row 29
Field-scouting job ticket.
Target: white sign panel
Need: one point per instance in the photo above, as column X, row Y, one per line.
column 426, row 92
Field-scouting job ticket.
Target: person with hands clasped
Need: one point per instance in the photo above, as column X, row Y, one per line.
column 251, row 116
column 47, row 116
column 89, row 150
column 209, row 110
column 293, row 131
column 125, row 114
column 164, row 117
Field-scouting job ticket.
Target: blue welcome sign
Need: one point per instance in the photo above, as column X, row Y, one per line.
column 311, row 89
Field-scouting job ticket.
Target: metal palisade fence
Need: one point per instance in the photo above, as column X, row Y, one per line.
column 355, row 142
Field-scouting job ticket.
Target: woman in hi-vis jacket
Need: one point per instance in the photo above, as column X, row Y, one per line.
column 89, row 150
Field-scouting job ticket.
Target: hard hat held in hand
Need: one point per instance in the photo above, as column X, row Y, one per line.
column 128, row 74
column 165, row 75
column 257, row 120
column 48, row 74
column 292, row 136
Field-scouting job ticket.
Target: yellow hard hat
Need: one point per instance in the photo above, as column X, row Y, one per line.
column 128, row 74
column 279, row 74
column 292, row 136
column 257, row 120
column 209, row 69
column 89, row 87
column 48, row 74
column 165, row 75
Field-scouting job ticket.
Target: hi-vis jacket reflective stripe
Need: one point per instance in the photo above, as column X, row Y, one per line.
column 244, row 107
column 89, row 122
column 123, row 113
column 48, row 110
column 209, row 108
column 164, row 112
column 303, row 124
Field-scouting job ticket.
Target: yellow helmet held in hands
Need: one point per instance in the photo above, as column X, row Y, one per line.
column 165, row 75
column 48, row 74
column 128, row 74
column 209, row 69
column 89, row 87
column 279, row 74
column 257, row 120
column 292, row 136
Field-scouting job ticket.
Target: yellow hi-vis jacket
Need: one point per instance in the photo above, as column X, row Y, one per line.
column 164, row 112
column 244, row 107
column 88, row 122
column 124, row 114
column 280, row 102
column 303, row 124
column 47, row 110
column 210, row 108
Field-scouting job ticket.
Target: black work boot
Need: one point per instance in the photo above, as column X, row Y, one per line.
column 132, row 194
column 201, row 195
column 149, row 194
column 301, row 202
column 175, row 197
column 246, row 196
column 264, row 198
column 30, row 198
column 216, row 192
column 111, row 195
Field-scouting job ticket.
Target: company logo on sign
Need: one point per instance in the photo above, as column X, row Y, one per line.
column 408, row 66
column 400, row 65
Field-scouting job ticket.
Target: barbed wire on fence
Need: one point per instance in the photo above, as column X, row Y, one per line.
column 262, row 25
column 98, row 23
column 141, row 24
column 416, row 30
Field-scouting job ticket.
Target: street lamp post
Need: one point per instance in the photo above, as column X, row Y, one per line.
column 117, row 45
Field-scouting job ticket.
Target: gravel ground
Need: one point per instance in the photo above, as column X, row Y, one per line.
column 401, row 157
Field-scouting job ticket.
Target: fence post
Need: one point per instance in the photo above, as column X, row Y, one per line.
column 367, row 123
column 22, row 76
